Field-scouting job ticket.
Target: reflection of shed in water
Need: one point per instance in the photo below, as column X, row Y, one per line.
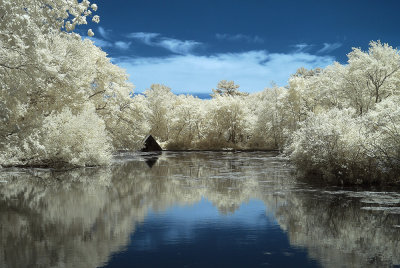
column 151, row 145
column 152, row 158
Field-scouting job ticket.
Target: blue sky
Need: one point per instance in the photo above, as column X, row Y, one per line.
column 190, row 45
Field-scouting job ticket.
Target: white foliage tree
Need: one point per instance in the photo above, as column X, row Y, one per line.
column 160, row 103
column 373, row 75
column 360, row 145
column 188, row 122
column 227, row 88
column 228, row 122
column 382, row 140
column 328, row 145
column 45, row 71
column 76, row 139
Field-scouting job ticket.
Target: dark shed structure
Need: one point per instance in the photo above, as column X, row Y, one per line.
column 151, row 145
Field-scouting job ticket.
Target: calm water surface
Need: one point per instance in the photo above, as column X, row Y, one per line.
column 192, row 209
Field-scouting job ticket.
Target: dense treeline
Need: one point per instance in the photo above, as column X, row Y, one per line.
column 63, row 102
column 341, row 123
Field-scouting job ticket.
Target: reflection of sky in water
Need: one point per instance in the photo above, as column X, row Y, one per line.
column 182, row 222
column 198, row 235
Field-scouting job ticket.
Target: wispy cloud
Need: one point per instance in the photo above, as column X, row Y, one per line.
column 178, row 46
column 104, row 40
column 328, row 47
column 101, row 43
column 252, row 70
column 302, row 47
column 239, row 37
column 122, row 45
column 174, row 45
column 104, row 33
column 146, row 38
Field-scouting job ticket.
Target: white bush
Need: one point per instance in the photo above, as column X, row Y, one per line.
column 76, row 139
column 329, row 145
column 383, row 135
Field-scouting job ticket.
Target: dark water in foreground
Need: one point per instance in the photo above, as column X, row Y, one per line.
column 199, row 209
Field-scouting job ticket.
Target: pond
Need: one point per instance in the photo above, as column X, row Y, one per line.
column 192, row 209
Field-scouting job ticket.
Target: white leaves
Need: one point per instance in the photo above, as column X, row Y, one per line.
column 96, row 19
column 47, row 89
column 94, row 7
column 69, row 26
column 186, row 122
column 85, row 3
column 90, row 33
column 77, row 139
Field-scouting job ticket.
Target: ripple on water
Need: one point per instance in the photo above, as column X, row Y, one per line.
column 388, row 210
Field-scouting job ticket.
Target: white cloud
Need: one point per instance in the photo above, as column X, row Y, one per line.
column 104, row 40
column 329, row 47
column 146, row 38
column 171, row 44
column 104, row 33
column 178, row 46
column 100, row 42
column 252, row 70
column 302, row 47
column 122, row 45
column 239, row 37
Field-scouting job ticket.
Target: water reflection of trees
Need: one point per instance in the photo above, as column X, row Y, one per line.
column 336, row 231
column 81, row 217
